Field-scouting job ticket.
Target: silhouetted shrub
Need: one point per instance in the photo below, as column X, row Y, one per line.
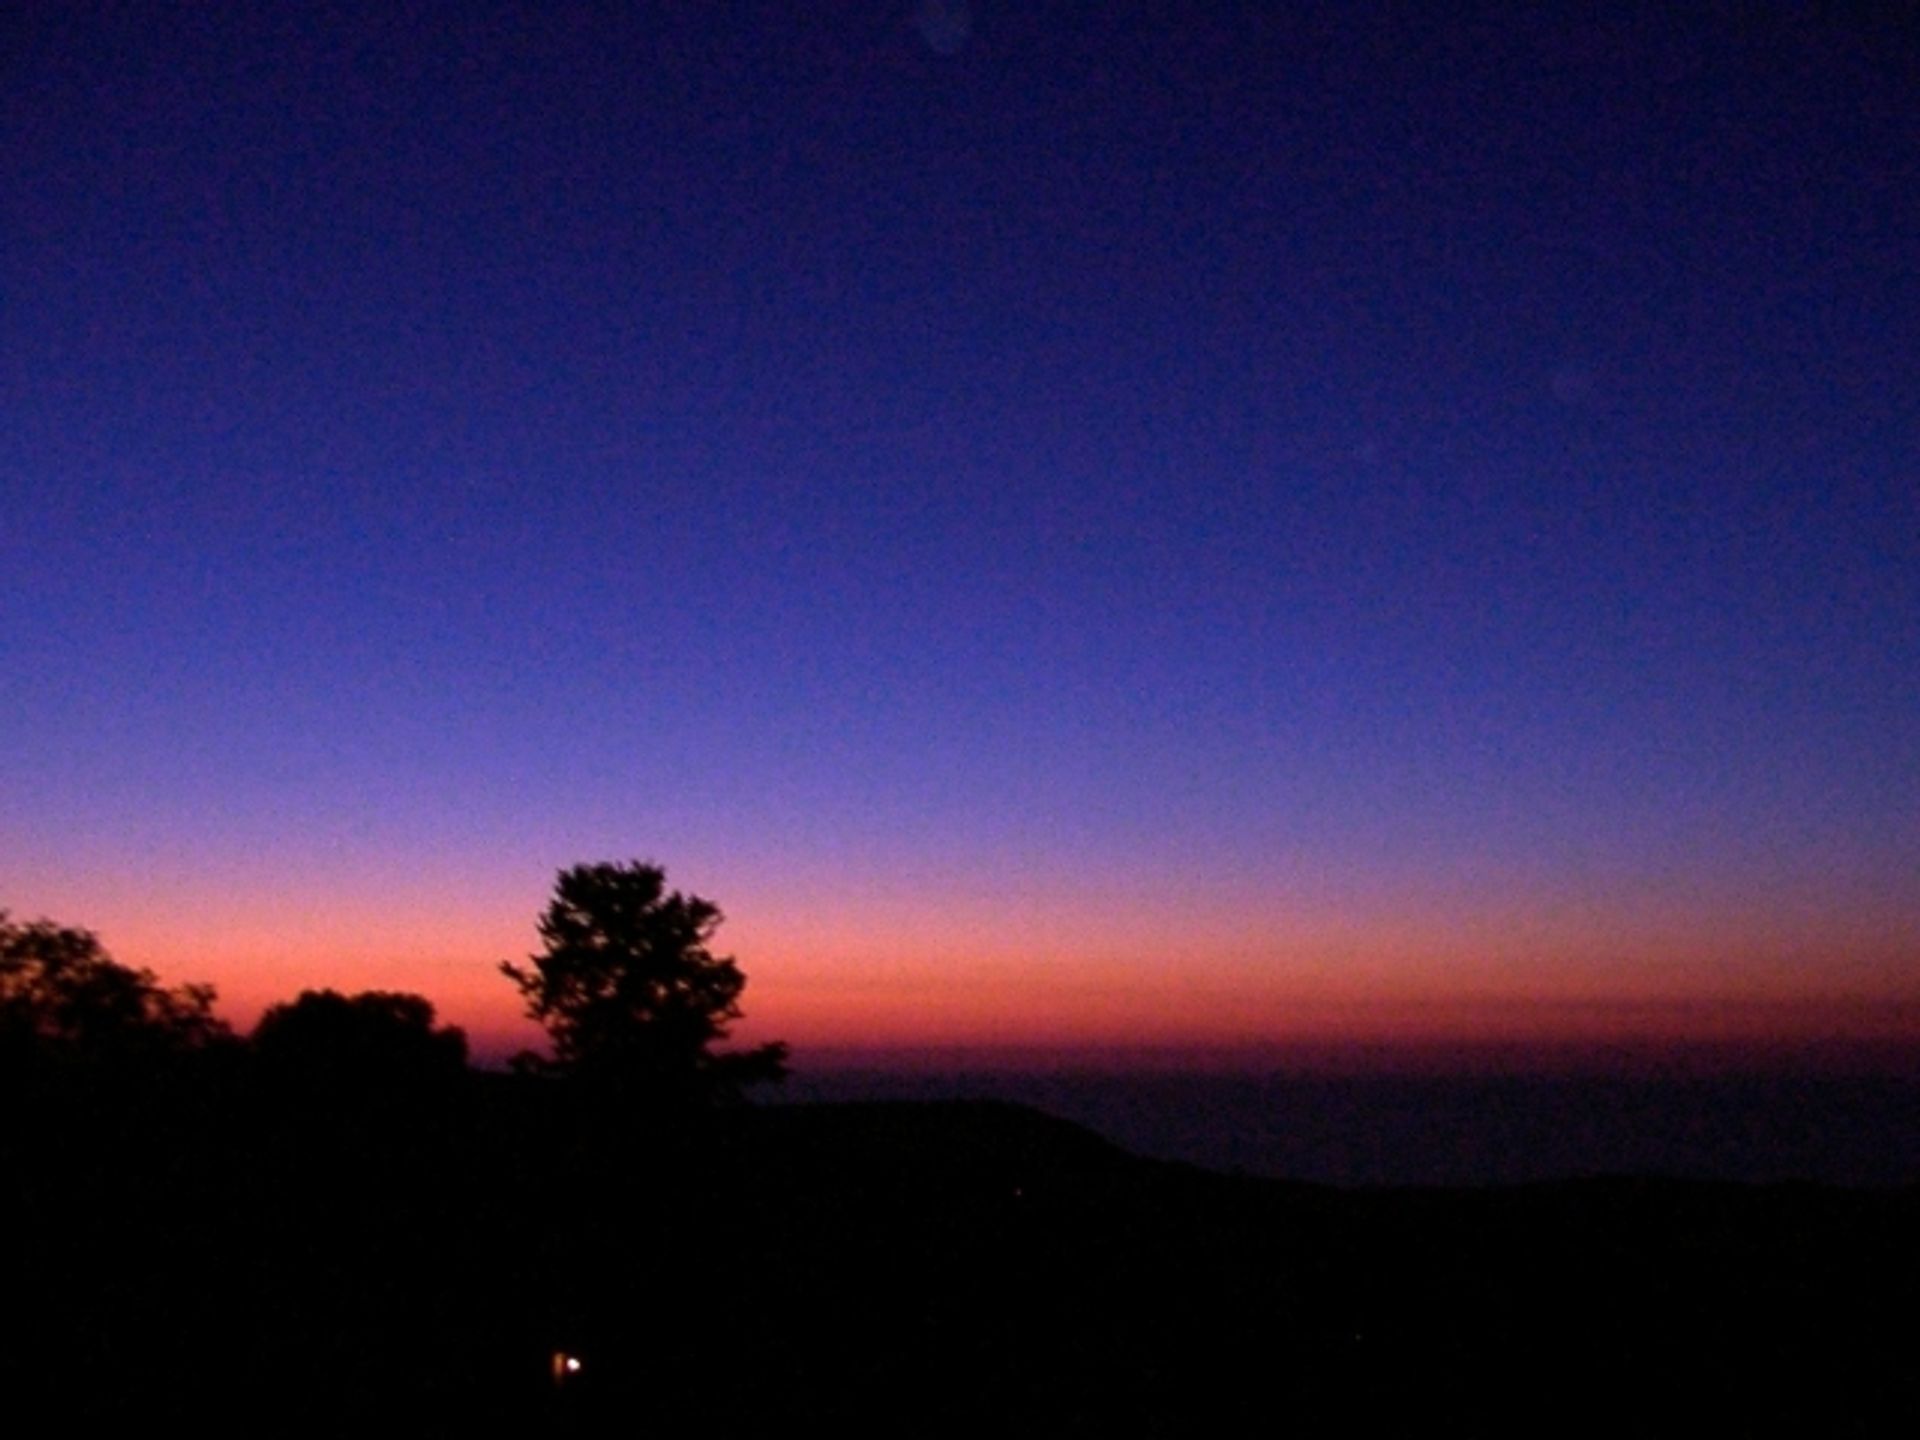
column 377, row 1036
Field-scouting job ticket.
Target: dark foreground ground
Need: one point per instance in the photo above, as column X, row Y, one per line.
column 248, row 1259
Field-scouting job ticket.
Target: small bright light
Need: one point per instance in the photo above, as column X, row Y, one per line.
column 573, row 1364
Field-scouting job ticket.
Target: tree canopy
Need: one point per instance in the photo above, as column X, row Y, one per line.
column 631, row 995
column 62, row 995
column 375, row 1036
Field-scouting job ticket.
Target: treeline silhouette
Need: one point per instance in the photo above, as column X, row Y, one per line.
column 632, row 997
column 335, row 1225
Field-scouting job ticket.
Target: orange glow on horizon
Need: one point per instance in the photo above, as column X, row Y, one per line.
column 888, row 971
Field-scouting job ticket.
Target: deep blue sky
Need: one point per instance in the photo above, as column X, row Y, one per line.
column 1381, row 470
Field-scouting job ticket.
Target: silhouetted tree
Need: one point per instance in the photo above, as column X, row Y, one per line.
column 629, row 993
column 62, row 995
column 375, row 1036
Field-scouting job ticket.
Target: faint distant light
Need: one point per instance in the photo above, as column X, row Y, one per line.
column 944, row 24
column 564, row 1366
column 573, row 1364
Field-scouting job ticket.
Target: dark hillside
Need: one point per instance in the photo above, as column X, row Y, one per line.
column 204, row 1247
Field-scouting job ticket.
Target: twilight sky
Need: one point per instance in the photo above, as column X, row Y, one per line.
column 1077, row 524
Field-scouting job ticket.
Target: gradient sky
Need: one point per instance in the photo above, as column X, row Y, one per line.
column 1076, row 524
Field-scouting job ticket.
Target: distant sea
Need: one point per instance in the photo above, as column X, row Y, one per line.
column 1378, row 1130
